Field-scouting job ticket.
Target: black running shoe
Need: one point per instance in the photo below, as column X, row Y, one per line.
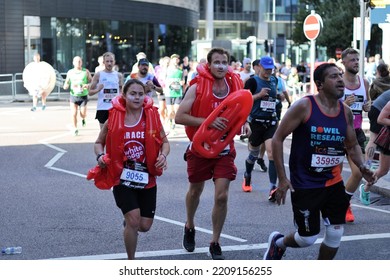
column 189, row 239
column 215, row 251
column 262, row 165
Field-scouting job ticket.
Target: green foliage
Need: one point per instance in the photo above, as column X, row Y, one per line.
column 337, row 17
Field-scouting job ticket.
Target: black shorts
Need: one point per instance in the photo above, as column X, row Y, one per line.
column 373, row 117
column 261, row 132
column 308, row 204
column 128, row 199
column 173, row 100
column 101, row 116
column 79, row 100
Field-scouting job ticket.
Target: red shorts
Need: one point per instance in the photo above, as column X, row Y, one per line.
column 201, row 169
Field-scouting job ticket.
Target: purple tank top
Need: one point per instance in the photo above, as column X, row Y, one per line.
column 317, row 149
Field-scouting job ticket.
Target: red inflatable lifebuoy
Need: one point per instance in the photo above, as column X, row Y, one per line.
column 209, row 142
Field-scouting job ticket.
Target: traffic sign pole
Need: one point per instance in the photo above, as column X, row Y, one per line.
column 312, row 27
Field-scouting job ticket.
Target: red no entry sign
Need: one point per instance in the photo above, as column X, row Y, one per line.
column 312, row 26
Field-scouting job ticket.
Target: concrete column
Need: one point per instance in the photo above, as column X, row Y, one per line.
column 210, row 20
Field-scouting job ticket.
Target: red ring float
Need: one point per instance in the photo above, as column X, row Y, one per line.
column 209, row 142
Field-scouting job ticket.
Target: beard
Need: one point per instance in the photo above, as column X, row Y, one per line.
column 143, row 71
column 352, row 71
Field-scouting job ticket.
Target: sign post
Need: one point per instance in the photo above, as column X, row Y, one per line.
column 312, row 27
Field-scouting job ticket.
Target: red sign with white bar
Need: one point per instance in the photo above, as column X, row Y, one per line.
column 312, row 26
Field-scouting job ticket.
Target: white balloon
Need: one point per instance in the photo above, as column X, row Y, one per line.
column 39, row 78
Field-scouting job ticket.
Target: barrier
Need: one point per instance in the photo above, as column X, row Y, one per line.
column 7, row 85
column 12, row 87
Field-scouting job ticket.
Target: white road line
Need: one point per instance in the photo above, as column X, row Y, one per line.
column 68, row 172
column 371, row 208
column 61, row 152
column 199, row 229
column 203, row 250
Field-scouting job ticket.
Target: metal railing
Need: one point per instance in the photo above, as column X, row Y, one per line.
column 12, row 86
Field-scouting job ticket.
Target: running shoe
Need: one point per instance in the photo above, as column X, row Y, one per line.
column 272, row 194
column 349, row 217
column 364, row 196
column 189, row 239
column 33, row 109
column 76, row 132
column 246, row 184
column 262, row 166
column 83, row 122
column 215, row 251
column 43, row 107
column 274, row 252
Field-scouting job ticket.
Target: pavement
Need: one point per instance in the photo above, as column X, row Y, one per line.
column 382, row 187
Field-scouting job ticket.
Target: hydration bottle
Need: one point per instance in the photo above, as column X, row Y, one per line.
column 11, row 250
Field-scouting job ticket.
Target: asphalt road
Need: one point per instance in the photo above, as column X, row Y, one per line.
column 49, row 208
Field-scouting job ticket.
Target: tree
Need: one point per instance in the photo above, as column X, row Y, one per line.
column 337, row 16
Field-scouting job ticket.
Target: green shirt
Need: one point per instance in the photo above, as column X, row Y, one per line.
column 77, row 79
column 173, row 87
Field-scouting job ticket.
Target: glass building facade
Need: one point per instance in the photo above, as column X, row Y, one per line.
column 239, row 21
column 60, row 30
column 60, row 39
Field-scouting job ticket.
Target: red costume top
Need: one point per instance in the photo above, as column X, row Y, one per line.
column 204, row 93
column 105, row 178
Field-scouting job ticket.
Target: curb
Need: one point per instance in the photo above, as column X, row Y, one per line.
column 380, row 190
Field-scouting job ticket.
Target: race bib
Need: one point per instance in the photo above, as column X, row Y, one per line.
column 134, row 175
column 267, row 105
column 357, row 106
column 77, row 88
column 325, row 161
column 109, row 94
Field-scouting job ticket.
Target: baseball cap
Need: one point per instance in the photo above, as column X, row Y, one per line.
column 143, row 61
column 267, row 62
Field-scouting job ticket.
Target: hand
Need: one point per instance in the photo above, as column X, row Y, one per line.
column 264, row 92
column 162, row 161
column 350, row 100
column 219, row 123
column 247, row 129
column 368, row 175
column 281, row 191
column 367, row 106
column 101, row 162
